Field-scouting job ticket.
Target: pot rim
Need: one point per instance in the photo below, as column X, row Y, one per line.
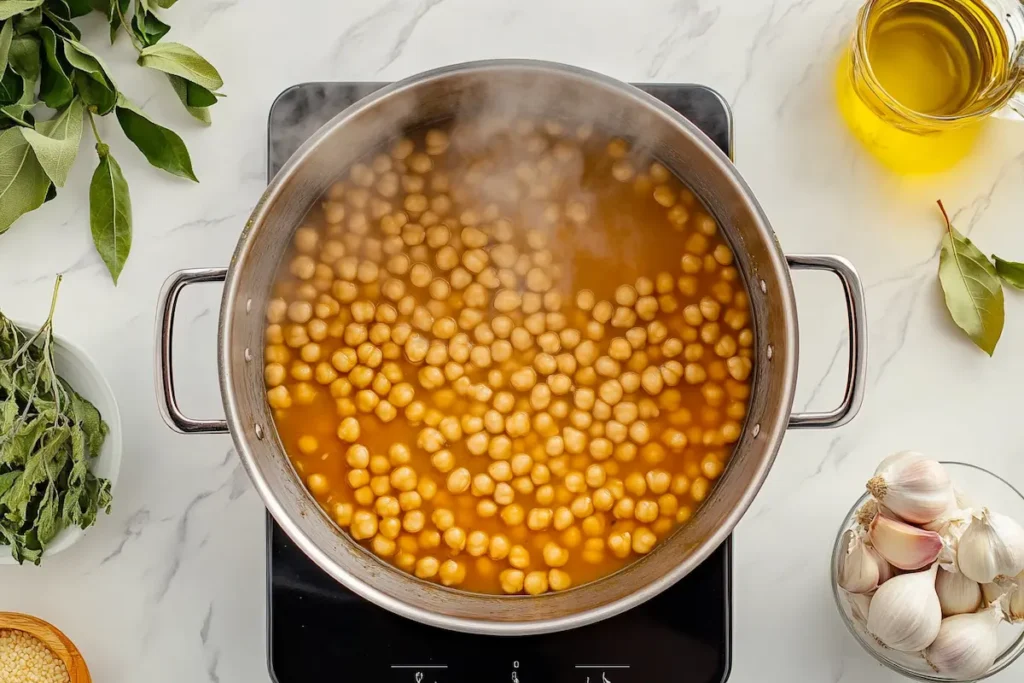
column 786, row 355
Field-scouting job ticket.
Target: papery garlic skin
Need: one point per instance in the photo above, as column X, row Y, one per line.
column 957, row 593
column 902, row 545
column 950, row 527
column 916, row 488
column 861, row 569
column 1013, row 603
column 905, row 613
column 967, row 644
column 991, row 547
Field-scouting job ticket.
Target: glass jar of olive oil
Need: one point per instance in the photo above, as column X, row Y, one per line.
column 920, row 77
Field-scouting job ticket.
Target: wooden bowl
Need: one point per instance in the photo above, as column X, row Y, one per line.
column 52, row 637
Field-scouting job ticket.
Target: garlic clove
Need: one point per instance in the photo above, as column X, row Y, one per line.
column 991, row 547
column 967, row 644
column 861, row 569
column 1013, row 602
column 902, row 545
column 951, row 526
column 914, row 487
column 905, row 613
column 957, row 593
column 860, row 605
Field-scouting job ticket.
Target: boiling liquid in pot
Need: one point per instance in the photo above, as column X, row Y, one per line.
column 510, row 356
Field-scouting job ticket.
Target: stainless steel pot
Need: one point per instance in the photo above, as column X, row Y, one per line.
column 533, row 88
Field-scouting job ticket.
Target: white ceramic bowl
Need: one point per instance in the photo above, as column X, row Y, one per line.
column 81, row 372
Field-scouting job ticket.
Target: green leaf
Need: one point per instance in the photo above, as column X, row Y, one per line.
column 64, row 26
column 55, row 86
column 7, row 481
column 19, row 114
column 79, row 8
column 6, row 36
column 164, row 3
column 177, row 59
column 190, row 94
column 24, row 57
column 88, row 418
column 57, row 8
column 56, row 141
column 11, row 88
column 23, row 183
column 974, row 295
column 29, row 21
column 17, row 448
column 91, row 77
column 1012, row 272
column 114, row 17
column 95, row 94
column 8, row 8
column 48, row 517
column 110, row 213
column 161, row 146
column 146, row 26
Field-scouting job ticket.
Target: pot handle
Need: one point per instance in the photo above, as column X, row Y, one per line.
column 856, row 374
column 166, row 307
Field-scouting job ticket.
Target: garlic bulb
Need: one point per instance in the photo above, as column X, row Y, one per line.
column 905, row 613
column 913, row 486
column 1013, row 604
column 902, row 545
column 967, row 644
column 861, row 569
column 992, row 546
column 957, row 594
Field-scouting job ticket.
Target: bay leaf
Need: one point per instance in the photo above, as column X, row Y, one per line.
column 118, row 9
column 56, row 141
column 146, row 26
column 12, row 87
column 110, row 213
column 162, row 147
column 23, row 182
column 24, row 57
column 190, row 94
column 973, row 293
column 79, row 8
column 9, row 8
column 91, row 78
column 1012, row 272
column 61, row 21
column 6, row 36
column 164, row 3
column 54, row 86
column 183, row 61
column 28, row 22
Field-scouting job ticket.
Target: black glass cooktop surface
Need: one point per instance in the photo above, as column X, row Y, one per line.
column 320, row 631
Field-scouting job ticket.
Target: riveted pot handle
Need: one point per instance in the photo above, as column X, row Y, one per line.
column 165, row 396
column 856, row 374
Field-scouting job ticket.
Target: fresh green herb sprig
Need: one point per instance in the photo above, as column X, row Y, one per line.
column 48, row 436
column 43, row 61
column 973, row 286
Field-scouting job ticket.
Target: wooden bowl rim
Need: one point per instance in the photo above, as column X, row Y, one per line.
column 53, row 638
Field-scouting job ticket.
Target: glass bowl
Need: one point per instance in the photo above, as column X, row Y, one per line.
column 975, row 487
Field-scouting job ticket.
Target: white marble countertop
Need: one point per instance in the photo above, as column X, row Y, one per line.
column 171, row 586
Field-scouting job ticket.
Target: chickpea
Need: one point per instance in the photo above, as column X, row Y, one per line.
column 610, row 392
column 513, row 514
column 620, row 543
column 455, row 538
column 364, row 525
column 511, row 580
column 536, row 582
column 427, row 567
column 624, row 508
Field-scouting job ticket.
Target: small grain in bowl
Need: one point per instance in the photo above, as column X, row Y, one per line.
column 26, row 659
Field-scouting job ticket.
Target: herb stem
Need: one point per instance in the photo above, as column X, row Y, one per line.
column 127, row 29
column 945, row 217
column 95, row 130
column 53, row 299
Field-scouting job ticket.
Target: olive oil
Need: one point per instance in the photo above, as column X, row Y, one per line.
column 920, row 75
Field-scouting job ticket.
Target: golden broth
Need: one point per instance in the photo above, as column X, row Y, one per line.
column 509, row 357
